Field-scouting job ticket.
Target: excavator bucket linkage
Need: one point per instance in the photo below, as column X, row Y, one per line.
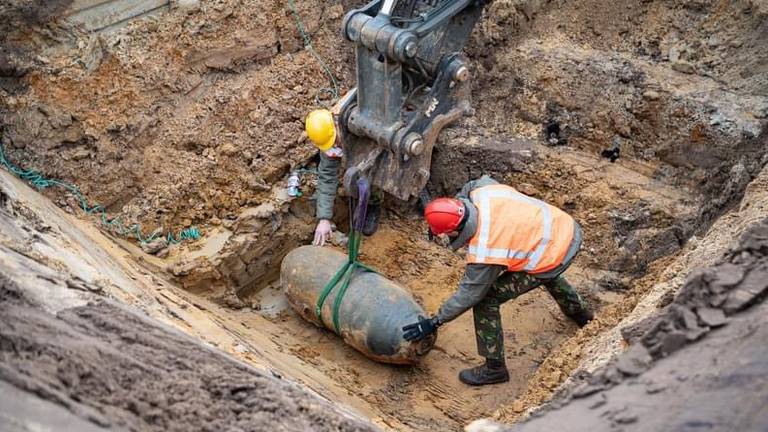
column 411, row 83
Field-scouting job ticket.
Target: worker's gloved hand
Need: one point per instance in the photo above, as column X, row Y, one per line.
column 322, row 232
column 418, row 331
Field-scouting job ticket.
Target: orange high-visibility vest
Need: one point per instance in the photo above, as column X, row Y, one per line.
column 520, row 232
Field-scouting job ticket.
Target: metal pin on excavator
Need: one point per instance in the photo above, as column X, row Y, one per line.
column 412, row 82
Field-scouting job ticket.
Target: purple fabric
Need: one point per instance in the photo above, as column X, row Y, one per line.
column 363, row 193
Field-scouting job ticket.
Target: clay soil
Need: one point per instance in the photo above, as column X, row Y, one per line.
column 194, row 117
column 177, row 121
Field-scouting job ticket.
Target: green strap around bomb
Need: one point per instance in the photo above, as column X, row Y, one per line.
column 342, row 278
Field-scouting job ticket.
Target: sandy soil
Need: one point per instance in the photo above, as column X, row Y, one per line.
column 431, row 393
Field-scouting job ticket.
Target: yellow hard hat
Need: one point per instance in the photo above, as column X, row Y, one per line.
column 321, row 129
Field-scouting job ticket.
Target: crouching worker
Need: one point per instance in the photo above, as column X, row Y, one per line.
column 322, row 129
column 515, row 244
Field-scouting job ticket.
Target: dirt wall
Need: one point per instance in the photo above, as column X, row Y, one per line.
column 175, row 120
column 671, row 85
column 66, row 262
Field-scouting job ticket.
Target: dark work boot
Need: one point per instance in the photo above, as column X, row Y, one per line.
column 582, row 317
column 372, row 219
column 492, row 372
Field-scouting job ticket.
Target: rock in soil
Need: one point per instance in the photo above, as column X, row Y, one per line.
column 155, row 246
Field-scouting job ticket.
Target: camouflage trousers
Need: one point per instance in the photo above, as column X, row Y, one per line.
column 490, row 336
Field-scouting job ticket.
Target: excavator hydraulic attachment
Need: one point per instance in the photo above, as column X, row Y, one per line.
column 412, row 81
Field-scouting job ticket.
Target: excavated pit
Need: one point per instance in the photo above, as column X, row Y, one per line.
column 178, row 121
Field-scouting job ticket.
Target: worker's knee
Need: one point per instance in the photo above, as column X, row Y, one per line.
column 513, row 284
column 488, row 306
column 566, row 296
column 560, row 286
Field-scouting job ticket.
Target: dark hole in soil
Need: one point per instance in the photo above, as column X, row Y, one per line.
column 552, row 131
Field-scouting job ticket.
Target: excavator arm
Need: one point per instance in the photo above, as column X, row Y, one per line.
column 412, row 81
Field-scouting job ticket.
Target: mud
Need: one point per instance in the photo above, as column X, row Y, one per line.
column 179, row 124
column 32, row 12
column 243, row 256
column 602, row 340
column 283, row 342
column 137, row 111
column 16, row 56
column 708, row 297
column 431, row 392
column 697, row 132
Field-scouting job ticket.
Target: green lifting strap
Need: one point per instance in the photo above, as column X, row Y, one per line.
column 343, row 277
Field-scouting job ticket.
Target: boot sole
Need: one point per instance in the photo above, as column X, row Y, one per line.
column 369, row 232
column 479, row 384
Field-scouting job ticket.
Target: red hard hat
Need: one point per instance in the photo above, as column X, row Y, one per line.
column 444, row 215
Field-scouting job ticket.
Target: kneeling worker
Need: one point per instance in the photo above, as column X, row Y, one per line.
column 321, row 127
column 516, row 243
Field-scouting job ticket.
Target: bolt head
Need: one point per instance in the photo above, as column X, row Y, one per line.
column 416, row 147
column 462, row 74
column 410, row 49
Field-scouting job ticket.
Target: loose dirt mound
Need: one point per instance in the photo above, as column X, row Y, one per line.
column 121, row 371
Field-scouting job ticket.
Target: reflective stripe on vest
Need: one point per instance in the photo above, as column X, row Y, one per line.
column 479, row 248
column 497, row 253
